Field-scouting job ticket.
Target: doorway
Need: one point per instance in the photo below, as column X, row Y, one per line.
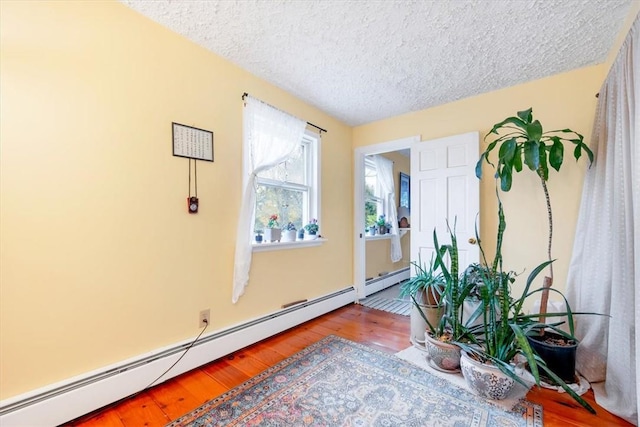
column 445, row 192
column 376, row 244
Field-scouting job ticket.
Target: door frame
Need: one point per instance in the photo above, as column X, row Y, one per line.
column 359, row 240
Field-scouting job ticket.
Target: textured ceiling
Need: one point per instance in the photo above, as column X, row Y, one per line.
column 362, row 61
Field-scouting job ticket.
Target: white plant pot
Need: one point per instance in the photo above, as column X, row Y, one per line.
column 288, row 236
column 484, row 379
column 272, row 234
column 308, row 236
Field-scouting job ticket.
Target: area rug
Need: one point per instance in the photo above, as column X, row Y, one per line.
column 336, row 382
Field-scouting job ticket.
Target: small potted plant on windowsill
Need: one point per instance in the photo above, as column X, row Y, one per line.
column 312, row 230
column 272, row 232
column 288, row 232
column 258, row 236
column 382, row 225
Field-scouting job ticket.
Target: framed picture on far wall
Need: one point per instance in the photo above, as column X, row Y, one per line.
column 405, row 186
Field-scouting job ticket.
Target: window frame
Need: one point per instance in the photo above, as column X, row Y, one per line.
column 312, row 143
column 369, row 163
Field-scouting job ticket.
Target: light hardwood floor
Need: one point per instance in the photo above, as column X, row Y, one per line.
column 384, row 331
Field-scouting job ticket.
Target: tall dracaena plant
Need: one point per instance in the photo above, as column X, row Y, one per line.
column 521, row 142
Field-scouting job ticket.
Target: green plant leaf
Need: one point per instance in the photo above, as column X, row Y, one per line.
column 531, row 155
column 568, row 389
column 534, row 130
column 513, row 120
column 526, row 115
column 517, row 158
column 526, row 350
column 505, row 178
column 556, row 153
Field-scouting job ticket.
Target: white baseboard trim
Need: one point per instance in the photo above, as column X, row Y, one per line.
column 72, row 398
column 383, row 282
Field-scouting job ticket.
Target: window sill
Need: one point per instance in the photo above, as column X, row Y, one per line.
column 278, row 246
column 403, row 231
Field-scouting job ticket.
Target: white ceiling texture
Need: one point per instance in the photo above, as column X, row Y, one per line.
column 362, row 61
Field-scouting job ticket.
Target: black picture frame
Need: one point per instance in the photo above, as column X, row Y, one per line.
column 405, row 190
column 191, row 142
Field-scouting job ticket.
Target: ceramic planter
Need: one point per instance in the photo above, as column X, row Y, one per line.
column 272, row 234
column 309, row 236
column 433, row 313
column 288, row 236
column 484, row 379
column 444, row 356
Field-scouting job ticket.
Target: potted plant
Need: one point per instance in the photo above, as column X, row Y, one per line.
column 258, row 236
column 288, row 233
column 520, row 140
column 381, row 223
column 441, row 339
column 488, row 355
column 312, row 230
column 272, row 232
column 425, row 289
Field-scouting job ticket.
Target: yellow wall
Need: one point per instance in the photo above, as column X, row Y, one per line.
column 561, row 101
column 378, row 251
column 99, row 259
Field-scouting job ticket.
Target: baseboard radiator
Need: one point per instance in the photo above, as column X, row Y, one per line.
column 72, row 398
column 383, row 282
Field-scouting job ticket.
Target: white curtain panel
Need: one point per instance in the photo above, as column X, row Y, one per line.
column 604, row 274
column 384, row 168
column 270, row 137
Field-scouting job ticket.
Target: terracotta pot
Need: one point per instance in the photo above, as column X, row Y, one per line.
column 484, row 379
column 443, row 355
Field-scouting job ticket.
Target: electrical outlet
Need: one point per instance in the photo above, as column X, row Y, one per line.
column 205, row 318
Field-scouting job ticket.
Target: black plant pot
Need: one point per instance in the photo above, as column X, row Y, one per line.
column 561, row 359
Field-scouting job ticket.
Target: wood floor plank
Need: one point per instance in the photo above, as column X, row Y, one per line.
column 374, row 328
column 201, row 385
column 105, row 419
column 174, row 399
column 225, row 373
column 142, row 410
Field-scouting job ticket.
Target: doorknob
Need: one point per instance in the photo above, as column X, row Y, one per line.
column 473, row 241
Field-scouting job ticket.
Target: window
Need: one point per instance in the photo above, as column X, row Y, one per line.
column 374, row 205
column 290, row 189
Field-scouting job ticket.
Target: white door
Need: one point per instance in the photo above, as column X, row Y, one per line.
column 444, row 188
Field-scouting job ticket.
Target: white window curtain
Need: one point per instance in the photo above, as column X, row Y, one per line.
column 270, row 137
column 604, row 274
column 384, row 168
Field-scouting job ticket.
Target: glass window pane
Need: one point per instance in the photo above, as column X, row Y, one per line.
column 370, row 212
column 289, row 205
column 293, row 170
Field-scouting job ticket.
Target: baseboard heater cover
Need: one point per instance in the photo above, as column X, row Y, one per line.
column 383, row 282
column 80, row 395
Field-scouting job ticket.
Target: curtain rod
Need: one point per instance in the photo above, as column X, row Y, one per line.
column 310, row 124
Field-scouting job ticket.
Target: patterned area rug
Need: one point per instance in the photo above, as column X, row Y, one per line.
column 336, row 382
